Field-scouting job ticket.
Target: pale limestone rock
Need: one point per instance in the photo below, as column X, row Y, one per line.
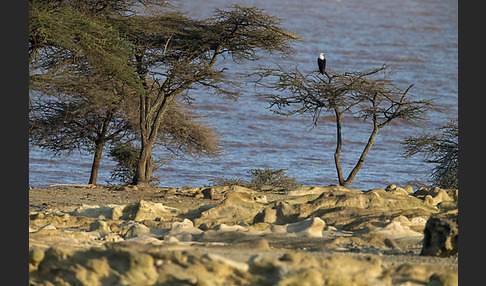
column 408, row 189
column 169, row 239
column 35, row 257
column 241, row 266
column 93, row 211
column 145, row 210
column 444, row 279
column 101, row 226
column 224, row 227
column 311, row 227
column 137, row 230
column 395, row 230
column 261, row 199
column 184, row 227
column 48, row 227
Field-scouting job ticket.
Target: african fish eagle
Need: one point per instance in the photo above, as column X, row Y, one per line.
column 321, row 62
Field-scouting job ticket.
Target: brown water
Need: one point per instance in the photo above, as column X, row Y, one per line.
column 420, row 36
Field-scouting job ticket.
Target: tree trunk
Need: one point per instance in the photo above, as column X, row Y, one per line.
column 152, row 110
column 148, row 134
column 362, row 158
column 99, row 145
column 144, row 166
column 96, row 162
column 337, row 152
column 151, row 115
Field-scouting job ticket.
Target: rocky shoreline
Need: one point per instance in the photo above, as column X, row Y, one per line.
column 111, row 235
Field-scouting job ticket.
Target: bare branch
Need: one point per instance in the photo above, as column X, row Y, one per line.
column 368, row 95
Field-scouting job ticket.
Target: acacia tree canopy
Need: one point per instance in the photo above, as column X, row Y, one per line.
column 78, row 56
column 371, row 95
column 154, row 53
column 173, row 54
column 440, row 149
column 182, row 134
column 73, row 35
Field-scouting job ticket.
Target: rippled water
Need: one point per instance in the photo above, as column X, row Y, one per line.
column 420, row 36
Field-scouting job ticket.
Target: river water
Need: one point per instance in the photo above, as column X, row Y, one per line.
column 419, row 36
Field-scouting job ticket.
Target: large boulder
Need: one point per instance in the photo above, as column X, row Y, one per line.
column 139, row 211
column 97, row 266
column 101, row 226
column 302, row 269
column 311, row 227
column 441, row 235
column 310, row 190
column 235, row 208
column 349, row 210
column 145, row 210
column 183, row 231
column 436, row 195
column 110, row 211
column 395, row 230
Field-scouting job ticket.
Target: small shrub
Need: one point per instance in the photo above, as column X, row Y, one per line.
column 229, row 182
column 274, row 178
column 126, row 157
column 260, row 178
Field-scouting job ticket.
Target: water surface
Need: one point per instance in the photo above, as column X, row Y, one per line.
column 420, row 36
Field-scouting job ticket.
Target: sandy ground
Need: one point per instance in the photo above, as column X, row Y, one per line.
column 68, row 199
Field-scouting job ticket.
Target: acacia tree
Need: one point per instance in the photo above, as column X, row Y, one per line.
column 67, row 126
column 79, row 61
column 173, row 54
column 94, row 110
column 442, row 150
column 80, row 65
column 87, row 123
column 158, row 53
column 370, row 95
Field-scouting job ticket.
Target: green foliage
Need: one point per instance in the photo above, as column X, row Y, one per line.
column 440, row 149
column 140, row 49
column 70, row 126
column 229, row 182
column 183, row 133
column 261, row 178
column 64, row 37
column 126, row 157
column 173, row 54
column 274, row 178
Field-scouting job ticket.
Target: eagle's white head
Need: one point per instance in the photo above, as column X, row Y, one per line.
column 321, row 56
